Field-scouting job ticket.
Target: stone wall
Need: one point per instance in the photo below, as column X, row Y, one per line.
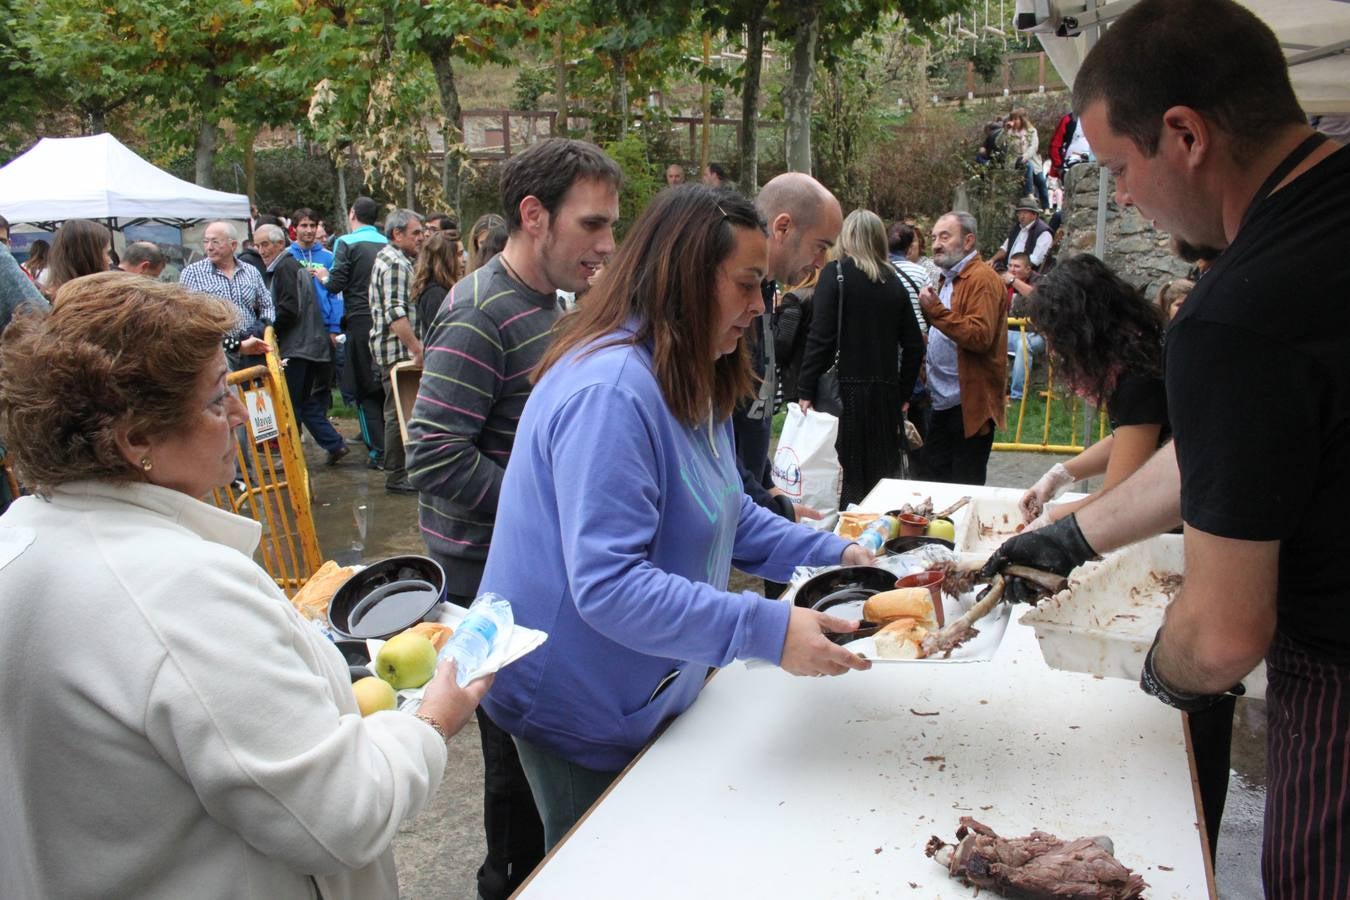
column 1136, row 250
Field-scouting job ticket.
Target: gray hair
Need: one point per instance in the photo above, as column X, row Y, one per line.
column 230, row 231
column 965, row 220
column 139, row 252
column 271, row 233
column 399, row 220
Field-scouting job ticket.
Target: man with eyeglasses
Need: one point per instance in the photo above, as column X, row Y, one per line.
column 223, row 275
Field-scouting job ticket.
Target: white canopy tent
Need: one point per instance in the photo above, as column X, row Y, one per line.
column 1315, row 35
column 99, row 178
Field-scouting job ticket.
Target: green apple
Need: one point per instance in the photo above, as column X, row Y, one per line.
column 373, row 695
column 406, row 660
column 942, row 528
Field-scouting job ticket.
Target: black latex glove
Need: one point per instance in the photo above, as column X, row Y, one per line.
column 1152, row 684
column 1059, row 548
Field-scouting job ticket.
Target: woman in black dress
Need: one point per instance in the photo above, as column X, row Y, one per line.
column 877, row 321
column 1105, row 342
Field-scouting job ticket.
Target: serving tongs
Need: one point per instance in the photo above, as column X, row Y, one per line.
column 852, row 594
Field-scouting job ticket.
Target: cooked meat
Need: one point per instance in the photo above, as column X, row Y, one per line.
column 943, row 641
column 923, row 508
column 1038, row 867
column 956, row 582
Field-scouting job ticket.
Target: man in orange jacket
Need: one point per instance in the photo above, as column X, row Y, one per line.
column 967, row 363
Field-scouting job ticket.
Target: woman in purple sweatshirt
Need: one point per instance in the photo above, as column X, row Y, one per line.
column 622, row 510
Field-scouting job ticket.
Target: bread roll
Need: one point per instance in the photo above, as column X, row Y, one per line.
column 311, row 601
column 435, row 632
column 914, row 603
column 901, row 639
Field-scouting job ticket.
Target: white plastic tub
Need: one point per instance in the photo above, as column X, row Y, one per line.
column 1104, row 622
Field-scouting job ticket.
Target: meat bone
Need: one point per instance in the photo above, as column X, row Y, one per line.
column 953, row 508
column 956, row 633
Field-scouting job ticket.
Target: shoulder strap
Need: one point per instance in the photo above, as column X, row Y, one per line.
column 907, row 280
column 839, row 319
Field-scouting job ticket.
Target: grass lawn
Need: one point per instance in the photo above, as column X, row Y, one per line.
column 1066, row 421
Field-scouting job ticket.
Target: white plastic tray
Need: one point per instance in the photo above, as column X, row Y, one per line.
column 990, row 522
column 1104, row 622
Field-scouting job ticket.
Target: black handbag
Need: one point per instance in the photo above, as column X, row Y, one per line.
column 828, row 399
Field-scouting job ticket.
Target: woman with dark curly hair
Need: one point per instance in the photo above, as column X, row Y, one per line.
column 1105, row 340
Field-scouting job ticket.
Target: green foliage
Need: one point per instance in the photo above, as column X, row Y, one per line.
column 642, row 179
column 288, row 178
column 844, row 126
column 986, row 55
column 532, row 82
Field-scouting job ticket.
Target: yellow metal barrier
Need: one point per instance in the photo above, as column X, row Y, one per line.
column 278, row 498
column 1075, row 407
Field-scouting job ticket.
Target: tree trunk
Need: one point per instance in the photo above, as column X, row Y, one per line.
column 438, row 53
column 250, row 165
column 754, row 61
column 705, row 145
column 97, row 122
column 410, row 184
column 343, row 205
column 206, row 154
column 560, row 85
column 797, row 94
column 621, row 92
column 206, row 137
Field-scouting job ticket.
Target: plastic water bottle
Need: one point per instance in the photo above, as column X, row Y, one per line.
column 471, row 645
column 878, row 532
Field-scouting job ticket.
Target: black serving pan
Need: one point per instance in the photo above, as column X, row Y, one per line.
column 844, row 584
column 387, row 597
column 908, row 542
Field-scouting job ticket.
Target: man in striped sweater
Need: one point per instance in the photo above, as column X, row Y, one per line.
column 561, row 200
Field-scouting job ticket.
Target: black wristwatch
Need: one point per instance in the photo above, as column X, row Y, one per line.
column 1152, row 684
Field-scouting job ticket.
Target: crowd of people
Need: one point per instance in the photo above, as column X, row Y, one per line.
column 604, row 410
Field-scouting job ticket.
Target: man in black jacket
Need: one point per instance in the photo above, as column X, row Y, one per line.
column 353, row 257
column 302, row 337
column 804, row 219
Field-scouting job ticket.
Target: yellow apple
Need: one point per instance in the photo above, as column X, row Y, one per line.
column 406, row 660
column 373, row 695
column 942, row 528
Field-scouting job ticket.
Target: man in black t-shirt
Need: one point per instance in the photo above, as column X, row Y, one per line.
column 1217, row 152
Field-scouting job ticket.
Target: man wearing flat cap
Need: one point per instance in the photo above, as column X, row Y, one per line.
column 1029, row 235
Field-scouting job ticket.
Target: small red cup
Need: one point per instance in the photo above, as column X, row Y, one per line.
column 931, row 580
column 912, row 525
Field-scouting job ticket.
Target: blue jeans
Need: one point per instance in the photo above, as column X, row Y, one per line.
column 309, row 406
column 562, row 790
column 1033, row 184
column 1022, row 360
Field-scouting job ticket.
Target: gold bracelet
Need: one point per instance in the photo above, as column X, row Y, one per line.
column 434, row 724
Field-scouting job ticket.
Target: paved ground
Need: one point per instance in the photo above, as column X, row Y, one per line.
column 439, row 851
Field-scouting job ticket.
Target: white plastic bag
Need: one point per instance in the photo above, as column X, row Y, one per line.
column 806, row 465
